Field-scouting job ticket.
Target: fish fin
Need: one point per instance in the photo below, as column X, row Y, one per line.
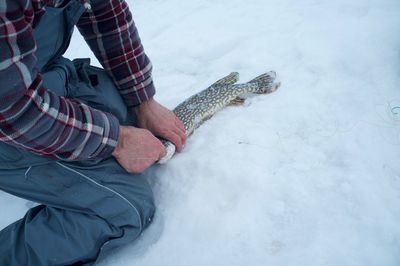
column 266, row 82
column 237, row 101
column 232, row 78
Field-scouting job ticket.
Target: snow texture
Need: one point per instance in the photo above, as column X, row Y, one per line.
column 308, row 175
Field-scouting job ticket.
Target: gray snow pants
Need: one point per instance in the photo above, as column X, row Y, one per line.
column 88, row 208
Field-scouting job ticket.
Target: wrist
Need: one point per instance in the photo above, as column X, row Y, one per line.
column 112, row 135
column 120, row 141
column 142, row 106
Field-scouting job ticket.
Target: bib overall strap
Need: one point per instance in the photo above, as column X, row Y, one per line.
column 73, row 11
column 54, row 31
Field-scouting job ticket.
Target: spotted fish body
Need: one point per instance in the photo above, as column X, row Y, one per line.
column 201, row 106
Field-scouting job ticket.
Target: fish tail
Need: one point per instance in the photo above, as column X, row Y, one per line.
column 266, row 82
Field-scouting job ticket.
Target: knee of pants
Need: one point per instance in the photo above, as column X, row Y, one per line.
column 145, row 208
column 102, row 189
column 136, row 210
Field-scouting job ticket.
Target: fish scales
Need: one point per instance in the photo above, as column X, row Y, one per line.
column 201, row 106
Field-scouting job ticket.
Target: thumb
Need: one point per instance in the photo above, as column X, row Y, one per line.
column 163, row 150
column 162, row 144
column 169, row 151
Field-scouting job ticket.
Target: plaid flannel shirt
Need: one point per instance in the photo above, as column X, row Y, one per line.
column 35, row 119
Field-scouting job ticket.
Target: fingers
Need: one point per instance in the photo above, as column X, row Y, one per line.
column 137, row 149
column 180, row 130
column 148, row 156
column 179, row 125
column 175, row 139
column 162, row 149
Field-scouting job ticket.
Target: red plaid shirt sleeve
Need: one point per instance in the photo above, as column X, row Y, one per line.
column 32, row 117
column 109, row 30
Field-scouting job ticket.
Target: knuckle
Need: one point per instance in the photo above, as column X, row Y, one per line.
column 164, row 131
column 147, row 132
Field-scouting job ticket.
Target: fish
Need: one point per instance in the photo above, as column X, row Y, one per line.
column 201, row 106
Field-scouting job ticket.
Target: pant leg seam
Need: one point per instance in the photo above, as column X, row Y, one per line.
column 107, row 188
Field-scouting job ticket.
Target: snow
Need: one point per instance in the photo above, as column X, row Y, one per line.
column 308, row 175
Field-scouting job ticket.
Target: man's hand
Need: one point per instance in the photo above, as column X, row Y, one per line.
column 161, row 122
column 137, row 149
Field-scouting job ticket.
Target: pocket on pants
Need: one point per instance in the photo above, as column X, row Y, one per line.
column 13, row 158
column 9, row 153
column 67, row 188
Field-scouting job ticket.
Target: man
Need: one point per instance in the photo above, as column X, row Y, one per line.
column 73, row 137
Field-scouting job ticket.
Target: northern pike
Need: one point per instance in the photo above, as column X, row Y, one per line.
column 201, row 106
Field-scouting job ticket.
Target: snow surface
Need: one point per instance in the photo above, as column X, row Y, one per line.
column 308, row 175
